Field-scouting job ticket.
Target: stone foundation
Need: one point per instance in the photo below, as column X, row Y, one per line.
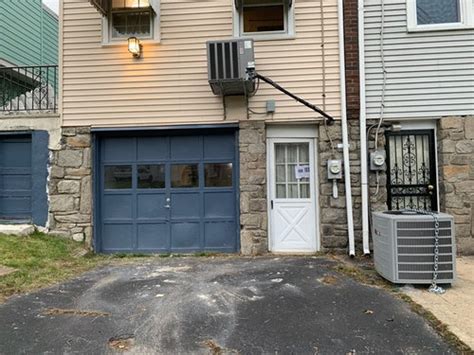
column 253, row 188
column 70, row 189
column 456, row 173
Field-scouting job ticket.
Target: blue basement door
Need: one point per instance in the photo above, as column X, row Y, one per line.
column 168, row 194
column 15, row 178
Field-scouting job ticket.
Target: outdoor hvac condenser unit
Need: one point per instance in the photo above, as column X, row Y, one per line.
column 227, row 66
column 404, row 247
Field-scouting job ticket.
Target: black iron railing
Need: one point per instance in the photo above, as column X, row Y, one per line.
column 29, row 88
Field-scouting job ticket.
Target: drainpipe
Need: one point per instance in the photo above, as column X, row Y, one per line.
column 363, row 133
column 345, row 135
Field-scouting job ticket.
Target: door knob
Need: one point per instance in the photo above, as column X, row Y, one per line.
column 430, row 187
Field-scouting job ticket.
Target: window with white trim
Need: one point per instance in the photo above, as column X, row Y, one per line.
column 263, row 18
column 131, row 18
column 426, row 15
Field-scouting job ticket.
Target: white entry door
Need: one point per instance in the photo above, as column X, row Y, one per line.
column 292, row 195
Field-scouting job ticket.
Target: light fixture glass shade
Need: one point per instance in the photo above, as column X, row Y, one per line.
column 134, row 46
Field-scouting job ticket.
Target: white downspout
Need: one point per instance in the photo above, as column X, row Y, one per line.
column 345, row 135
column 363, row 133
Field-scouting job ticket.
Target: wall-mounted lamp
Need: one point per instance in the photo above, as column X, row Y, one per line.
column 135, row 47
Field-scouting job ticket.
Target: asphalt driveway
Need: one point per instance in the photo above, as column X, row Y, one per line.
column 189, row 305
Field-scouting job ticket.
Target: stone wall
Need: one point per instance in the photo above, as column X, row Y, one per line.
column 334, row 230
column 333, row 215
column 253, row 188
column 456, row 163
column 70, row 190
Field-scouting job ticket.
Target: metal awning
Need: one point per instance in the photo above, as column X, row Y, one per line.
column 103, row 6
column 238, row 3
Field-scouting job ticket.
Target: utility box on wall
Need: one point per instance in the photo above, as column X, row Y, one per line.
column 227, row 66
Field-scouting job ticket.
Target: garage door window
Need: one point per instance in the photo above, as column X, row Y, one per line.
column 118, row 177
column 218, row 174
column 151, row 176
column 184, row 175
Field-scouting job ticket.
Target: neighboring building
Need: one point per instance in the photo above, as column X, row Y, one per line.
column 153, row 161
column 29, row 123
column 426, row 100
column 29, row 32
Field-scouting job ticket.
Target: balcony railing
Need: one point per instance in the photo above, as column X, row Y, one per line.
column 29, row 89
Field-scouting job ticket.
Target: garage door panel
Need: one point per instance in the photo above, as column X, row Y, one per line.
column 160, row 193
column 185, row 235
column 17, row 182
column 152, row 148
column 152, row 206
column 219, row 147
column 119, row 149
column 185, row 148
column 117, row 207
column 216, row 235
column 219, row 204
column 15, row 177
column 186, row 205
column 117, row 237
column 16, row 153
column 16, row 207
column 153, row 236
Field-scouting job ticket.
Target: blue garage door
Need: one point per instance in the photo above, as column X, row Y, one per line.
column 15, row 178
column 168, row 193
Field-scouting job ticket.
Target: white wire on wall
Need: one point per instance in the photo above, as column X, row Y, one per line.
column 384, row 86
column 384, row 72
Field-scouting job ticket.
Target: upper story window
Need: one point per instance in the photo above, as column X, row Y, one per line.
column 426, row 15
column 131, row 18
column 263, row 18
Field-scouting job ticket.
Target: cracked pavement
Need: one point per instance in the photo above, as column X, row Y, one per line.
column 190, row 305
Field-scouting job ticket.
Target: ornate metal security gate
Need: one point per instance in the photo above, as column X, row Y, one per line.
column 411, row 170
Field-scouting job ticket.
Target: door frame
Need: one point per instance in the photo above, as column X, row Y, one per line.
column 314, row 181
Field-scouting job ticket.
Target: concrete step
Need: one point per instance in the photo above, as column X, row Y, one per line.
column 17, row 229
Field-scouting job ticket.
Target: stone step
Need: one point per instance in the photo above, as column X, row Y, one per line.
column 17, row 229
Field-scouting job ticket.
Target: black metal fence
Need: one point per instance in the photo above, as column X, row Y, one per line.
column 29, row 88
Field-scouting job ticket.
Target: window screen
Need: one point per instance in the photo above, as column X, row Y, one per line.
column 430, row 12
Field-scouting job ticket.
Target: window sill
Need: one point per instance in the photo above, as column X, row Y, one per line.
column 445, row 27
column 268, row 37
column 125, row 43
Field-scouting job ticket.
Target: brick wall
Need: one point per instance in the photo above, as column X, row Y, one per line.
column 351, row 46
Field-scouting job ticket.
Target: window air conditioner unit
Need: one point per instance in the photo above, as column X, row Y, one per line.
column 404, row 245
column 227, row 66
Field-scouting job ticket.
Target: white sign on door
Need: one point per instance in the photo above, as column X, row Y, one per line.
column 302, row 172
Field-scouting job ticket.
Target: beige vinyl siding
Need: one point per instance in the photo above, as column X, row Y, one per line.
column 429, row 74
column 105, row 86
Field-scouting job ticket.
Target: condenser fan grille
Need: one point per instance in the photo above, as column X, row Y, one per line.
column 416, row 244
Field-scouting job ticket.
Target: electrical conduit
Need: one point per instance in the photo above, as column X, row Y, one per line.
column 363, row 133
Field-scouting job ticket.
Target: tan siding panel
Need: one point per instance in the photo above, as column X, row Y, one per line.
column 105, row 86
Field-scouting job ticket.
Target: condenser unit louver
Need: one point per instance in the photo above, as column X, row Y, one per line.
column 227, row 66
column 404, row 247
